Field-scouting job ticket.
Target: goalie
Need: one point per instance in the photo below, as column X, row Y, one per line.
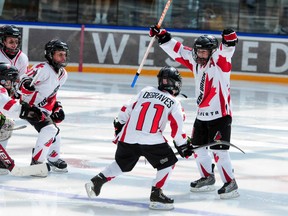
column 12, row 108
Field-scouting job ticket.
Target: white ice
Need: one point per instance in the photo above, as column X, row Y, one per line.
column 91, row 101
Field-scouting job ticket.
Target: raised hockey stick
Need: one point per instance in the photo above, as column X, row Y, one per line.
column 151, row 43
column 216, row 142
column 40, row 170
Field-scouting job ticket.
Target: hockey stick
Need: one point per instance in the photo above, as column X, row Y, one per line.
column 40, row 170
column 151, row 43
column 216, row 142
column 16, row 128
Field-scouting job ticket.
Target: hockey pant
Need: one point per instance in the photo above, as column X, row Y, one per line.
column 47, row 143
column 222, row 160
column 113, row 170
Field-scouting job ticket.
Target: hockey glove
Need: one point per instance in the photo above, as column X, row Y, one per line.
column 229, row 37
column 30, row 113
column 25, row 85
column 2, row 120
column 117, row 126
column 162, row 35
column 185, row 150
column 58, row 114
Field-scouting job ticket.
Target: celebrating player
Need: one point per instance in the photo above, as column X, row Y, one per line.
column 39, row 86
column 211, row 66
column 9, row 76
column 139, row 129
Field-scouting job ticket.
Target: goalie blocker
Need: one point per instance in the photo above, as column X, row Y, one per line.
column 6, row 162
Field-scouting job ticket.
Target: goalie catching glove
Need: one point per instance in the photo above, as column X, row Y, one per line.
column 30, row 113
column 162, row 35
column 229, row 37
column 185, row 150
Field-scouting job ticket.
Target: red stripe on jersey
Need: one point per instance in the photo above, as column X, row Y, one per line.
column 122, row 138
column 177, row 47
column 224, row 64
column 185, row 62
column 209, row 93
column 173, row 125
column 33, row 98
column 230, row 37
column 17, row 56
column 3, row 90
column 9, row 104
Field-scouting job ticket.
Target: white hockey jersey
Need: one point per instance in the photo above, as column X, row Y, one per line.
column 212, row 80
column 47, row 84
column 146, row 116
column 8, row 106
column 20, row 61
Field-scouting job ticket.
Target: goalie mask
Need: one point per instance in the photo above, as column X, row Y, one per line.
column 10, row 31
column 9, row 76
column 204, row 43
column 169, row 79
column 50, row 48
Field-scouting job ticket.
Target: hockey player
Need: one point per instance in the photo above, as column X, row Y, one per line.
column 11, row 107
column 10, row 37
column 39, row 86
column 211, row 66
column 139, row 129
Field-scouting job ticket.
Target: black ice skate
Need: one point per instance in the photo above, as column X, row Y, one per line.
column 59, row 166
column 204, row 184
column 159, row 201
column 93, row 188
column 229, row 190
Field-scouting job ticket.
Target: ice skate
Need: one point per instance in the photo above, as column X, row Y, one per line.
column 229, row 190
column 59, row 166
column 204, row 184
column 93, row 188
column 159, row 201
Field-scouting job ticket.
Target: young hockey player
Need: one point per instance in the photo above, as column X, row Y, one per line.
column 211, row 66
column 9, row 76
column 39, row 86
column 139, row 132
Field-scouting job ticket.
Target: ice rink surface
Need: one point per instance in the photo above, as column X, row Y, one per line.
column 91, row 101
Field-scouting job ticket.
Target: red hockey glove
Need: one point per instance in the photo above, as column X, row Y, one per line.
column 162, row 35
column 229, row 37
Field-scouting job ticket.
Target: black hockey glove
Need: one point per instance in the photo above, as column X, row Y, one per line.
column 185, row 150
column 229, row 37
column 117, row 126
column 58, row 114
column 30, row 113
column 162, row 35
column 25, row 87
column 2, row 120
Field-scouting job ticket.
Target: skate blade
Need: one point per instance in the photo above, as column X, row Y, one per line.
column 89, row 190
column 161, row 206
column 57, row 170
column 4, row 171
column 203, row 189
column 230, row 195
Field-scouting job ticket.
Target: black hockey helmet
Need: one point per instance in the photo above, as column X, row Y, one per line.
column 10, row 31
column 205, row 42
column 8, row 73
column 51, row 47
column 169, row 79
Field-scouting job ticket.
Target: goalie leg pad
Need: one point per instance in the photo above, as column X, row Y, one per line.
column 39, row 170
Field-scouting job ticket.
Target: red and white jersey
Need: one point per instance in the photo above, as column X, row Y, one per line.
column 212, row 80
column 8, row 106
column 146, row 116
column 20, row 61
column 46, row 85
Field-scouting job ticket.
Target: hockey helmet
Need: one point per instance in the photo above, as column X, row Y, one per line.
column 51, row 47
column 10, row 31
column 169, row 79
column 8, row 73
column 204, row 42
